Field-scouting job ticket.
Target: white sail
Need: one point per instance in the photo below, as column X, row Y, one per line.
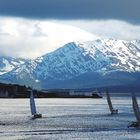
column 32, row 103
column 109, row 102
column 135, row 107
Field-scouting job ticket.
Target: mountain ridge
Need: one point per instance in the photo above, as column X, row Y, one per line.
column 103, row 57
column 7, row 64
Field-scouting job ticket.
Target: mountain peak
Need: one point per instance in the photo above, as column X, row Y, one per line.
column 98, row 57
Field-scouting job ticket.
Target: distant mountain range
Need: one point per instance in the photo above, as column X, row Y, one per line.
column 97, row 63
column 7, row 64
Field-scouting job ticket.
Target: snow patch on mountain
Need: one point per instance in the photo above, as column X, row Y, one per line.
column 78, row 58
column 7, row 64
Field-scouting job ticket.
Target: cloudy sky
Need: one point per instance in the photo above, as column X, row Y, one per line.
column 30, row 28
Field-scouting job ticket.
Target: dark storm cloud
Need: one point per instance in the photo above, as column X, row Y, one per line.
column 72, row 9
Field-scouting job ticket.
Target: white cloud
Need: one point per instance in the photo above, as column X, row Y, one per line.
column 107, row 28
column 32, row 38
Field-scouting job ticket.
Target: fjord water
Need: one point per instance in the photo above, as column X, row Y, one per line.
column 67, row 119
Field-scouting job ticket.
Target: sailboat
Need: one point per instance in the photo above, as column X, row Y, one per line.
column 112, row 110
column 33, row 106
column 136, row 112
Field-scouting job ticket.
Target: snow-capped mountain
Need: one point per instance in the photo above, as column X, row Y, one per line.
column 99, row 62
column 7, row 64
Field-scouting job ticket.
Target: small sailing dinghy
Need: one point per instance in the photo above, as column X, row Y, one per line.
column 136, row 112
column 33, row 107
column 112, row 110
